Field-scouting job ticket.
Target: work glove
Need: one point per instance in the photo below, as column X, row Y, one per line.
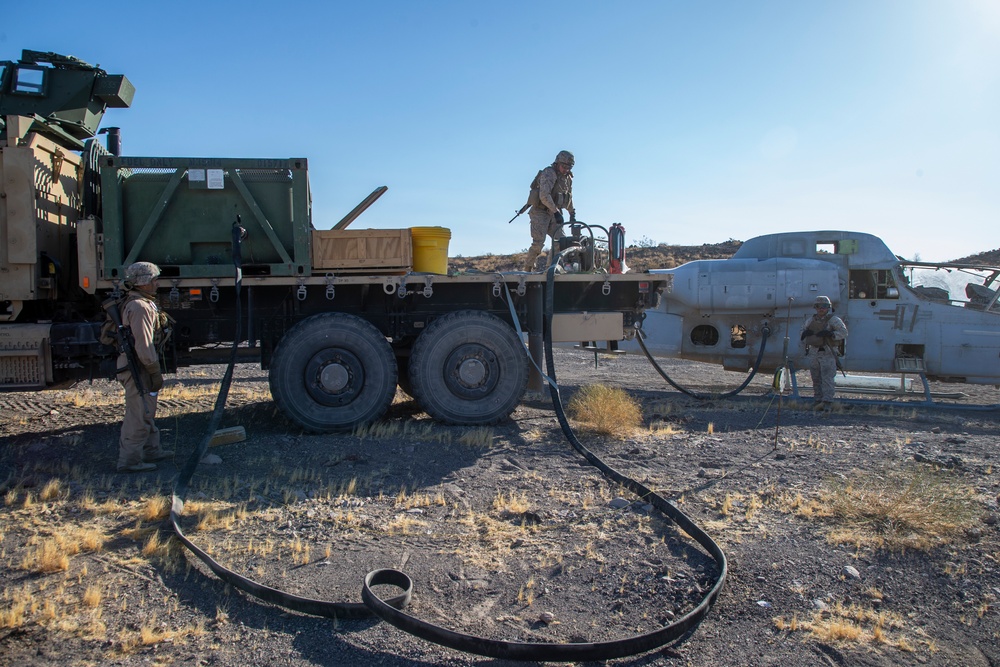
column 804, row 335
column 825, row 333
column 155, row 377
column 559, row 217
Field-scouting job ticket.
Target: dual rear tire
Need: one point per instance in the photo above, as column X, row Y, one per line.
column 468, row 367
column 335, row 371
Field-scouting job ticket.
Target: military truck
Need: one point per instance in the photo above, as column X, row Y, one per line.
column 338, row 317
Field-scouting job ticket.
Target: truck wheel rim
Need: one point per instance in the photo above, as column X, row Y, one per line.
column 334, row 376
column 471, row 371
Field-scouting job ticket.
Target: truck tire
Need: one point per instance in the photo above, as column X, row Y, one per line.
column 333, row 372
column 468, row 367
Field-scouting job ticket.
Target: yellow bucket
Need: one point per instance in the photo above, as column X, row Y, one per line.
column 430, row 249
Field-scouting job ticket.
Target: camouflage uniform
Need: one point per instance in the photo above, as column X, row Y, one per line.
column 140, row 438
column 823, row 350
column 551, row 192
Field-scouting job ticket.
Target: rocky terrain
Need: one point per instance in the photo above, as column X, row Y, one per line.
column 506, row 531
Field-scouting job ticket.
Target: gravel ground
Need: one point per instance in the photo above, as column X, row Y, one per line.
column 506, row 531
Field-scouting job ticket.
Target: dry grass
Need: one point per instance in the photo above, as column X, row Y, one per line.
column 606, row 410
column 844, row 624
column 511, row 503
column 914, row 508
column 156, row 508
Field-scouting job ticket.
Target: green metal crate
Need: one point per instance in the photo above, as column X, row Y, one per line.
column 179, row 213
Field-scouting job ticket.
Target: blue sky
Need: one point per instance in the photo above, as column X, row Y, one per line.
column 692, row 122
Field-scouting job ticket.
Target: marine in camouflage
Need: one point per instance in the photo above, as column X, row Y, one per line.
column 551, row 192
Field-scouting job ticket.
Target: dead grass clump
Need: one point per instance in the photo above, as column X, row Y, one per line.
column 51, row 490
column 606, row 410
column 511, row 503
column 405, row 524
column 156, row 508
column 914, row 508
column 48, row 557
column 92, row 597
column 844, row 624
column 477, row 438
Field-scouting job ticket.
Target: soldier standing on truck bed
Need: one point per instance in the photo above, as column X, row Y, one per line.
column 139, row 445
column 551, row 191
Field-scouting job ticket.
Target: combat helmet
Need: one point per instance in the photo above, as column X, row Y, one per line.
column 566, row 158
column 823, row 301
column 141, row 273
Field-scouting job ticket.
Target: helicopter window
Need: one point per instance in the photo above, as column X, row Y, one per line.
column 867, row 284
column 705, row 334
column 28, row 80
column 826, row 248
column 738, row 336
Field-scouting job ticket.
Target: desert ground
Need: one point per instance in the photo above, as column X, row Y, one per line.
column 863, row 536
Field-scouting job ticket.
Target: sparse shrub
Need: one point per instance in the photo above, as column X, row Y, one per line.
column 914, row 508
column 92, row 597
column 606, row 410
column 155, row 509
column 48, row 557
column 51, row 490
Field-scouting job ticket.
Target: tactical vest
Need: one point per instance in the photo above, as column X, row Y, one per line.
column 161, row 329
column 817, row 324
column 560, row 190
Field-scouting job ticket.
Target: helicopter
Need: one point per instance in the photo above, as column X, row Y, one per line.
column 938, row 321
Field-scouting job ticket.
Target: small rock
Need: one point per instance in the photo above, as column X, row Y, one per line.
column 936, row 429
column 641, row 507
column 764, row 604
column 851, row 572
column 618, row 503
column 547, row 617
column 819, row 605
column 211, row 459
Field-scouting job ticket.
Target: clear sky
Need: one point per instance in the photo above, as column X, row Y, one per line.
column 691, row 122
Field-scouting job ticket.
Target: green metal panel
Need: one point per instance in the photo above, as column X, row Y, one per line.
column 179, row 213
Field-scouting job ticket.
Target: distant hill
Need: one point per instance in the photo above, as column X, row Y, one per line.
column 663, row 256
column 990, row 258
column 637, row 258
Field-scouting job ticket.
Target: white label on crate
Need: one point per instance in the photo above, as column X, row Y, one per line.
column 216, row 179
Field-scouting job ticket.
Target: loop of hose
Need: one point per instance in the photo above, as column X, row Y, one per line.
column 765, row 333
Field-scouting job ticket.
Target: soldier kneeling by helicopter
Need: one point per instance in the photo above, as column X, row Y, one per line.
column 821, row 335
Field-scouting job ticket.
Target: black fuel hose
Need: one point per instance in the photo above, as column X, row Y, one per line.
column 765, row 333
column 390, row 610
